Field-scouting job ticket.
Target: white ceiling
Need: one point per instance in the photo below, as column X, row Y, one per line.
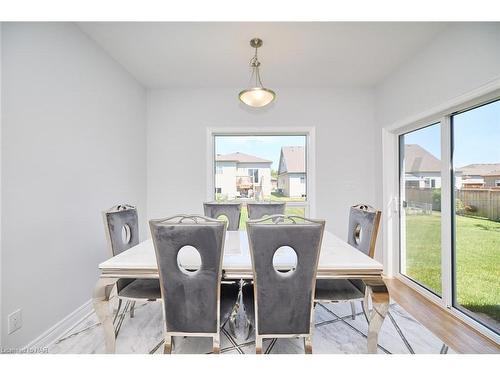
column 326, row 54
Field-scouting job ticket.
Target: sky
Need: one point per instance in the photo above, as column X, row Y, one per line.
column 476, row 136
column 267, row 147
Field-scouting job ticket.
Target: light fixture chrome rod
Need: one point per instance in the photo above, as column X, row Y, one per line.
column 258, row 95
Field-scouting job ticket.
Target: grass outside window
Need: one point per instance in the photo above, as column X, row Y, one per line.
column 477, row 260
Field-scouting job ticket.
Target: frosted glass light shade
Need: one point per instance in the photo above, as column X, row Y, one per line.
column 257, row 96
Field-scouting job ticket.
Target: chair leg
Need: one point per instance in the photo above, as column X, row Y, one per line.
column 258, row 344
column 444, row 349
column 117, row 310
column 167, row 348
column 216, row 345
column 308, row 348
column 132, row 309
column 353, row 310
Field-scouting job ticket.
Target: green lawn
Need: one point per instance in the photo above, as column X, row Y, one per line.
column 477, row 259
column 299, row 211
column 275, row 196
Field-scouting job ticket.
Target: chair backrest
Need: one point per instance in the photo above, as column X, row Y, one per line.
column 284, row 301
column 259, row 210
column 364, row 222
column 122, row 227
column 191, row 300
column 231, row 210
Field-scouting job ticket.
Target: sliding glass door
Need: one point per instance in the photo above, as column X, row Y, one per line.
column 476, row 162
column 449, row 227
column 420, row 190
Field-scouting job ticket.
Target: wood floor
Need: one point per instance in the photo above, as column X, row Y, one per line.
column 453, row 332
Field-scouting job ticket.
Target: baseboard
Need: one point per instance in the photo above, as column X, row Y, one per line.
column 65, row 325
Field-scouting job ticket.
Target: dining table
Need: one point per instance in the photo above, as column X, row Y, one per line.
column 338, row 260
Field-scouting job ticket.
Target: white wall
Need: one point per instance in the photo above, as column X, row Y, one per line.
column 465, row 56
column 177, row 131
column 73, row 144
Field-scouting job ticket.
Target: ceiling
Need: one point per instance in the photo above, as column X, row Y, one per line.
column 210, row 54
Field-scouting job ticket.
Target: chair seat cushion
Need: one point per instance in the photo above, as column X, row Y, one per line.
column 142, row 289
column 336, row 290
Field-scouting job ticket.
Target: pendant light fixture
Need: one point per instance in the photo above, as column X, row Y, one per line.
column 257, row 95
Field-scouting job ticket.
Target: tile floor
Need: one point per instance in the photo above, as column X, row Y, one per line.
column 335, row 332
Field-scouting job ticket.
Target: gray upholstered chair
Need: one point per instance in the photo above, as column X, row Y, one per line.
column 232, row 210
column 122, row 231
column 364, row 222
column 261, row 209
column 284, row 298
column 191, row 298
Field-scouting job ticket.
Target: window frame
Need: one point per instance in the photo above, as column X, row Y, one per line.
column 401, row 232
column 391, row 198
column 255, row 171
column 454, row 301
column 309, row 132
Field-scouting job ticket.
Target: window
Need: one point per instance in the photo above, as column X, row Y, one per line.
column 254, row 173
column 262, row 167
column 449, row 210
column 476, row 219
column 420, row 240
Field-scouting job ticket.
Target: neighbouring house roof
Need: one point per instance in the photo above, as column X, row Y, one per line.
column 240, row 157
column 418, row 159
column 492, row 174
column 480, row 169
column 292, row 160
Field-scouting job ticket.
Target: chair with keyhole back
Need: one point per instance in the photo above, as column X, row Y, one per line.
column 260, row 209
column 364, row 222
column 122, row 231
column 191, row 282
column 232, row 210
column 284, row 293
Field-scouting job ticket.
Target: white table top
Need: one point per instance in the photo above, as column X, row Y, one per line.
column 338, row 259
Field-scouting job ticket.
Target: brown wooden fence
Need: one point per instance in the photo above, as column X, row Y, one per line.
column 480, row 202
column 470, row 202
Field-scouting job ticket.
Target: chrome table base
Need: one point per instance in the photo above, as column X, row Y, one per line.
column 239, row 323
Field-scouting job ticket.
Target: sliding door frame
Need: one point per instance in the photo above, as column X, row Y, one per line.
column 392, row 204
